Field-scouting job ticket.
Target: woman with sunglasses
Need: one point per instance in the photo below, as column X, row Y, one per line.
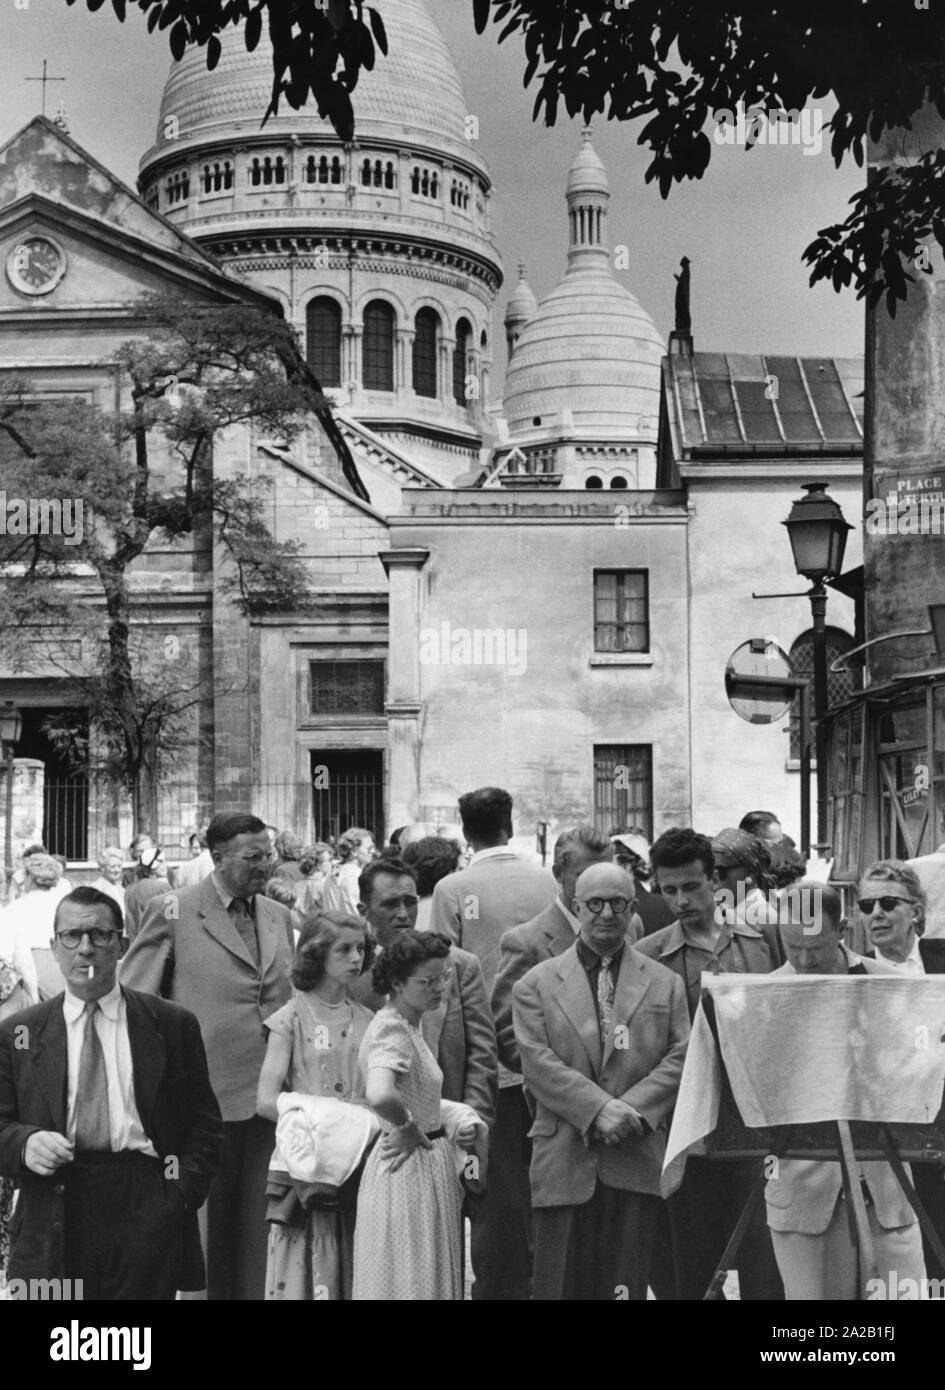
column 892, row 906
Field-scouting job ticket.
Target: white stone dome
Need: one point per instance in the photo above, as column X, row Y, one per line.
column 415, row 90
column 587, row 174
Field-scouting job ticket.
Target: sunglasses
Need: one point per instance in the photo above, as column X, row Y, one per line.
column 99, row 936
column 888, row 904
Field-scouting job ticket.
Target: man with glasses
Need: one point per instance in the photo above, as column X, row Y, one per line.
column 459, row 1031
column 602, row 1035
column 223, row 949
column 108, row 1123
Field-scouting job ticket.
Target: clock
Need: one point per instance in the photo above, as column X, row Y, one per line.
column 36, row 265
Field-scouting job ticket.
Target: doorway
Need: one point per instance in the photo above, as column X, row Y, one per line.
column 347, row 790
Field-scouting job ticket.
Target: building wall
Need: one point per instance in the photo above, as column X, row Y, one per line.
column 526, row 564
column 737, row 546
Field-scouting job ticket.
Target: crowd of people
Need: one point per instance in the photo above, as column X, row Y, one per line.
column 295, row 1072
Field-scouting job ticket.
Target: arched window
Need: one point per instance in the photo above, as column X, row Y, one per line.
column 323, row 340
column 389, row 177
column 377, row 366
column 593, row 482
column 840, row 684
column 460, row 360
column 415, row 181
column 366, row 172
column 336, row 170
column 426, row 330
column 618, row 481
column 484, row 340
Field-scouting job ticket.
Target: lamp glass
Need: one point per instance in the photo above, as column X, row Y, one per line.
column 11, row 723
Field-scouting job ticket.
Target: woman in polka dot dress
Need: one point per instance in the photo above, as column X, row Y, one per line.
column 313, row 1049
column 408, row 1237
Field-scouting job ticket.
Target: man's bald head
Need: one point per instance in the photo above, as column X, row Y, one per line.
column 811, row 922
column 603, row 901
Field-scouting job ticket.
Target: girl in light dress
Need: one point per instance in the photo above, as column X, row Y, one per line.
column 408, row 1237
column 313, row 1049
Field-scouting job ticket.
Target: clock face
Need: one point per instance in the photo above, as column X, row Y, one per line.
column 36, row 265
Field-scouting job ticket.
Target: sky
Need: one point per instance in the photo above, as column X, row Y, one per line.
column 744, row 225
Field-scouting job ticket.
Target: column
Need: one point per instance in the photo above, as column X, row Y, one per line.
column 404, row 707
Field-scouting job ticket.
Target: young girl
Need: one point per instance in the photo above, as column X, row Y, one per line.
column 313, row 1049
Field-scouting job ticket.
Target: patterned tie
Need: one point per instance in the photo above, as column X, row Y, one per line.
column 605, row 997
column 92, row 1127
column 244, row 924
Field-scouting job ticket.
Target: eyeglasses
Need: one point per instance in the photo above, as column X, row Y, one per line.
column 888, row 904
column 99, row 936
column 617, row 905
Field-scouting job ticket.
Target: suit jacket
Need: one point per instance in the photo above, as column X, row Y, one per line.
column 931, row 953
column 547, row 935
column 459, row 1032
column 804, row 1194
column 572, row 1078
column 189, row 950
column 175, row 1101
column 474, row 906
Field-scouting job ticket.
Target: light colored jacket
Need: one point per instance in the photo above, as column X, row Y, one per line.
column 189, row 950
column 547, row 935
column 572, row 1077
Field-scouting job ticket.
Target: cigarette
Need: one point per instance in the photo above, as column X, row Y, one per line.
column 91, row 972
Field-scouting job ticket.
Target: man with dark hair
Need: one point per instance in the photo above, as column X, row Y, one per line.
column 459, row 1032
column 475, row 906
column 108, row 1123
column 223, row 949
column 705, row 1208
column 764, row 824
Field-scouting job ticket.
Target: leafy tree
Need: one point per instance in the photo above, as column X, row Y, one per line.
column 124, row 480
column 675, row 62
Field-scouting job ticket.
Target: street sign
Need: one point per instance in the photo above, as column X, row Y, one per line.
column 759, row 681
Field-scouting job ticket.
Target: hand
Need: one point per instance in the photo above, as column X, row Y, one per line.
column 400, row 1144
column 466, row 1137
column 615, row 1122
column 46, row 1151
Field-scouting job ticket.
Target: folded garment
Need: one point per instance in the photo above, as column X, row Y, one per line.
column 453, row 1115
column 320, row 1139
column 800, row 1049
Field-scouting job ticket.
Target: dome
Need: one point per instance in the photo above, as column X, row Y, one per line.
column 522, row 302
column 413, row 93
column 592, row 349
column 589, row 348
column 587, row 174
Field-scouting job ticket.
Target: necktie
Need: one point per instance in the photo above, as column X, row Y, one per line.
column 242, row 920
column 92, row 1128
column 605, row 997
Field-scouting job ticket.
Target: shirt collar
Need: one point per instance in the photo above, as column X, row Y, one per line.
column 590, row 959
column 574, row 922
column 226, row 897
column 914, row 955
column 491, row 853
column 73, row 1007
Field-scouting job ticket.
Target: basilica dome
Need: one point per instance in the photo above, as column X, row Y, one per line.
column 589, row 349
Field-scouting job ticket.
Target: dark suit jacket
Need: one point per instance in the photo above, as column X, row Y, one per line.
column 189, row 950
column 549, row 934
column 459, row 1033
column 174, row 1098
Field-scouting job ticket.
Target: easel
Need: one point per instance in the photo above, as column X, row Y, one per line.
column 845, row 1153
column 829, row 1141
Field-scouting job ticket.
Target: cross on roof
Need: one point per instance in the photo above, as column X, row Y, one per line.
column 44, row 79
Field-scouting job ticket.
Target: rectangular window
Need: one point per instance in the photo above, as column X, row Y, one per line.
column 623, row 786
column 621, row 611
column 346, row 687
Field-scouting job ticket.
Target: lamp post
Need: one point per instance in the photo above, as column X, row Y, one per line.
column 11, row 722
column 818, row 535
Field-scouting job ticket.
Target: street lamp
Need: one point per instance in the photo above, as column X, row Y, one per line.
column 11, row 722
column 818, row 535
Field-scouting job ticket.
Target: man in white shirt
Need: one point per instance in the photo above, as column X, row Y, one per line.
column 108, row 1123
column 474, row 907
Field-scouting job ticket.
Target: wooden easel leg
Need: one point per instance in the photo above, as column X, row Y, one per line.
column 866, row 1254
column 925, row 1221
column 714, row 1292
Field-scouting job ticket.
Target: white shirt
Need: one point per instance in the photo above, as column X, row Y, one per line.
column 912, row 965
column 111, row 1024
column 114, row 890
column 491, row 853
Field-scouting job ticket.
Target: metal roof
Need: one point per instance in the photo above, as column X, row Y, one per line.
column 724, row 404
